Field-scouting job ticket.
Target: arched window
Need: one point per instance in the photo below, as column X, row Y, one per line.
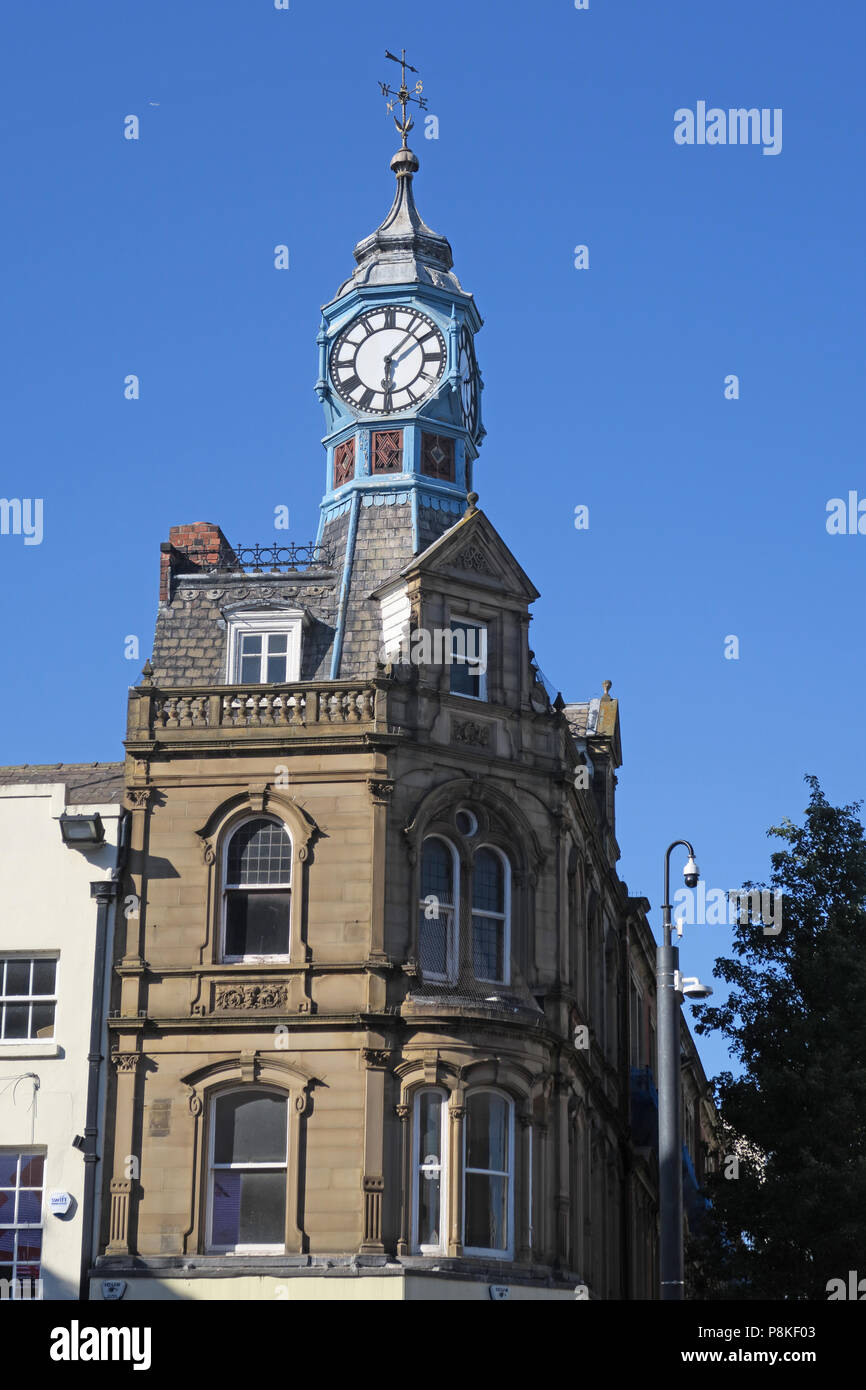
column 430, row 1196
column 491, row 910
column 488, row 1166
column 257, row 891
column 437, row 945
column 248, row 1156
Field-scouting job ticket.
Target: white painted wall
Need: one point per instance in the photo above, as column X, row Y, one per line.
column 45, row 906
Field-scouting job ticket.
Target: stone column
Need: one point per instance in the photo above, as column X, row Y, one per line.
column 457, row 1113
column 373, row 1180
column 123, row 1187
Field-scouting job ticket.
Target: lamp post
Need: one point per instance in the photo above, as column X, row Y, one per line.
column 668, row 1000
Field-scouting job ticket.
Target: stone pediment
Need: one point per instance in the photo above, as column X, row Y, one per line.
column 474, row 552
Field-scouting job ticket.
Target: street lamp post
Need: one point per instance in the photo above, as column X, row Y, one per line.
column 669, row 998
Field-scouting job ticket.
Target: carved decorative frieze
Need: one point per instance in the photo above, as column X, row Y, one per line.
column 261, row 996
column 469, row 731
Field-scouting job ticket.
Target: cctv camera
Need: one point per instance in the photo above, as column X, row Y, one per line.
column 691, row 873
column 693, row 989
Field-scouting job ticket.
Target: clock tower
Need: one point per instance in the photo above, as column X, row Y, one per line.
column 400, row 386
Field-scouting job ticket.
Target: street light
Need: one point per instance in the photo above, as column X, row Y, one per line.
column 671, row 986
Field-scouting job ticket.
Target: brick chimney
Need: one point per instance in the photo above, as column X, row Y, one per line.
column 193, row 549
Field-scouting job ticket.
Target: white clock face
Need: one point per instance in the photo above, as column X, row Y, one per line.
column 387, row 360
column 468, row 373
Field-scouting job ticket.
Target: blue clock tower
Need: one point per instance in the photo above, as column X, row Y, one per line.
column 400, row 387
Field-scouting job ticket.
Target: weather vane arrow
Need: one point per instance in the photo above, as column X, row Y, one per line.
column 404, row 96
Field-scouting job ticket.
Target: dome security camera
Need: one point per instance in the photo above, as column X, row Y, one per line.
column 691, row 873
column 693, row 989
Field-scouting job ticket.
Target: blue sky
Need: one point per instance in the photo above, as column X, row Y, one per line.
column 604, row 387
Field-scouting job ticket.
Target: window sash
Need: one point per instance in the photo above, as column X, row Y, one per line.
column 464, row 663
column 18, row 1234
column 29, row 1000
column 505, row 1176
column 438, row 1171
column 270, row 1166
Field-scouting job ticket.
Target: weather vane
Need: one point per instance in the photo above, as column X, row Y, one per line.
column 404, row 96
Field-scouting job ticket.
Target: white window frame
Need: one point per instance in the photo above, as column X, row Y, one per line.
column 243, row 1167
column 417, row 1166
column 5, row 999
column 452, row 949
column 26, row 1227
column 508, row 1253
column 504, row 917
column 466, row 621
column 226, row 888
column 290, row 621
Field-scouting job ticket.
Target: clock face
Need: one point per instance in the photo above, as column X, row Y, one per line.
column 467, row 371
column 387, row 360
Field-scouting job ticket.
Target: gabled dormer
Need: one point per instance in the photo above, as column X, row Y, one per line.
column 459, row 613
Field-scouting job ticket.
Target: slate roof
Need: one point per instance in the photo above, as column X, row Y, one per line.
column 87, row 784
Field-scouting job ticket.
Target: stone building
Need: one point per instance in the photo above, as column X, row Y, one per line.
column 384, row 1022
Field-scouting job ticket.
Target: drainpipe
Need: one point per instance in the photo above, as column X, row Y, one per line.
column 348, row 562
column 105, row 891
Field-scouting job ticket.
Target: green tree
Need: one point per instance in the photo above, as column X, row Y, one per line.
column 794, row 1216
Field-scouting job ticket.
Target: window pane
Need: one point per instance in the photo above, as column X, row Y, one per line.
column 18, row 977
column 487, row 1132
column 226, row 1207
column 277, row 670
column 260, row 852
column 437, row 871
column 486, row 1212
column 43, row 976
column 263, row 1209
column 7, row 1246
column 277, row 642
column 16, row 1019
column 8, row 1169
column 29, row 1208
column 257, row 924
column 430, row 1127
column 250, row 1129
column 42, row 1021
column 488, row 882
column 29, row 1248
column 32, row 1166
column 429, row 1206
column 251, row 644
column 251, row 670
column 487, row 953
column 433, row 935
column 7, row 1216
column 463, row 680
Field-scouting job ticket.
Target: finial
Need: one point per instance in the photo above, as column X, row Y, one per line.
column 605, row 685
column 403, row 96
column 472, row 498
column 147, row 673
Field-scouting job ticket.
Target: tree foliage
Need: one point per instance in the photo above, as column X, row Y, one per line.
column 794, row 1216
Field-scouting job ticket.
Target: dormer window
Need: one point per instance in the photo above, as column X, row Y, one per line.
column 264, row 648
